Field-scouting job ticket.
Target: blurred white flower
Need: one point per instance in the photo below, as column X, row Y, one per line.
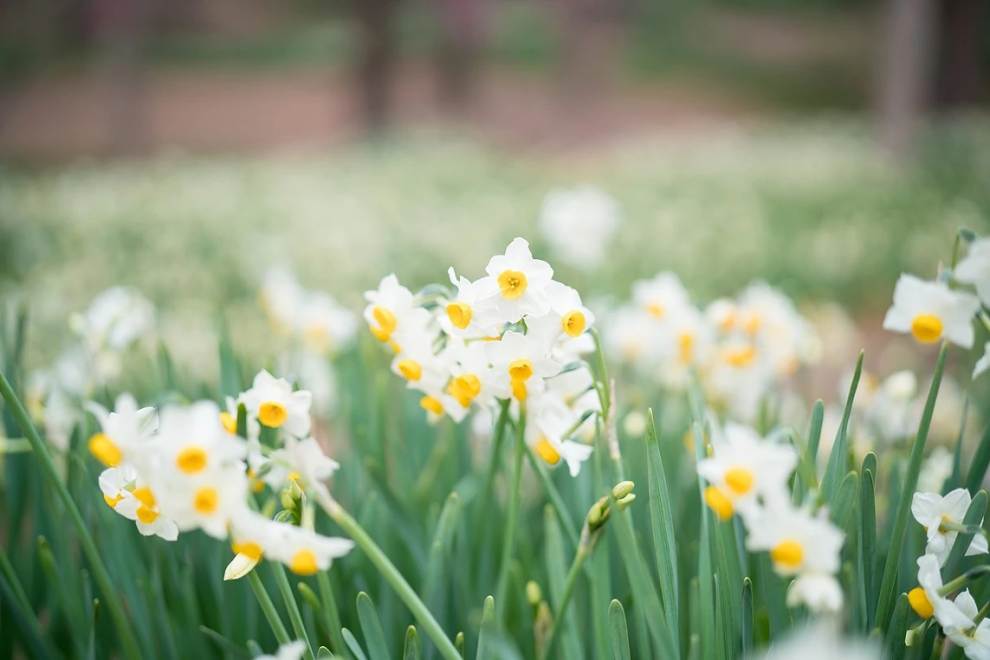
column 820, row 641
column 931, row 311
column 578, row 223
column 974, row 268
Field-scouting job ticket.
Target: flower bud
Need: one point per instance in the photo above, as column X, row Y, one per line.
column 533, row 593
column 624, row 502
column 621, row 489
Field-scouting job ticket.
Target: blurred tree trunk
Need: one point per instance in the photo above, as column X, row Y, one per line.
column 463, row 30
column 376, row 68
column 121, row 29
column 586, row 55
column 906, row 71
column 959, row 79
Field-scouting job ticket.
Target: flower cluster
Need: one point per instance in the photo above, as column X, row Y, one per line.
column 513, row 337
column 189, row 467
column 116, row 320
column 741, row 348
column 960, row 618
column 749, row 475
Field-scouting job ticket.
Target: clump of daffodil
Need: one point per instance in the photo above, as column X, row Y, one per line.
column 513, row 337
column 186, row 467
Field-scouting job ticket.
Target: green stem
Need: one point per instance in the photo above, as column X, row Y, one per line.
column 110, row 597
column 332, row 612
column 565, row 599
column 390, row 573
column 556, row 501
column 511, row 517
column 498, row 436
column 268, row 608
column 295, row 617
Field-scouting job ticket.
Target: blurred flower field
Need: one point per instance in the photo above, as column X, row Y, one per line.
column 628, row 421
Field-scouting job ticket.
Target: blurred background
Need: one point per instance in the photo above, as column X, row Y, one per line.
column 184, row 147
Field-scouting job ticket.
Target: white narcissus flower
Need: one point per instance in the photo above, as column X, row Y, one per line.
column 934, row 512
column 818, row 592
column 521, row 362
column 123, row 494
column 471, row 312
column 303, row 551
column 931, row 311
column 927, row 602
column 392, row 307
column 291, row 651
column 820, row 641
column 975, row 268
column 578, row 223
column 125, row 432
column 661, row 297
column 302, row 461
column 114, row 320
column 568, row 317
column 193, row 439
column 472, row 379
column 935, row 470
column 746, row 470
column 548, row 420
column 798, row 543
column 520, row 282
column 274, row 404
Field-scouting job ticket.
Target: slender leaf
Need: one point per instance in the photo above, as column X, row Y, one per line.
column 486, row 649
column 618, row 632
column 371, row 626
column 838, row 459
column 974, row 517
column 662, row 525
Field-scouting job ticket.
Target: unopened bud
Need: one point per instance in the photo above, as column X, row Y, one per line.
column 598, row 513
column 289, row 499
column 622, row 489
column 533, row 593
column 624, row 502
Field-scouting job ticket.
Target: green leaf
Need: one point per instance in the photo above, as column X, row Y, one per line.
column 894, row 637
column 888, row 584
column 618, row 632
column 486, row 648
column 353, row 644
column 556, row 561
column 439, row 549
column 978, row 466
column 662, row 525
column 843, row 506
column 371, row 626
column 746, row 633
column 839, row 457
column 868, row 537
column 324, row 652
column 974, row 516
column 410, row 647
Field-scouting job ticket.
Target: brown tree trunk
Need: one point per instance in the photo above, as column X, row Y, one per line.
column 376, row 67
column 959, row 80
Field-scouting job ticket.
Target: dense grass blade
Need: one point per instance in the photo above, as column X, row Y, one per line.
column 844, row 505
column 974, row 516
column 839, row 457
column 371, row 626
column 125, row 633
column 556, row 560
column 556, row 501
column 486, row 646
column 25, row 620
column 978, row 466
column 295, row 617
column 618, row 632
column 439, row 550
column 330, row 611
column 894, row 637
column 268, row 608
column 889, row 582
column 662, row 524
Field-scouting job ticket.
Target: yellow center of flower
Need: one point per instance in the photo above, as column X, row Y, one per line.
column 752, row 324
column 920, row 603
column 512, row 283
column 787, row 554
column 573, row 322
column 257, row 485
column 740, row 357
column 147, row 511
column 105, row 450
column 718, row 502
column 464, row 388
column 304, row 562
column 685, row 346
column 272, row 414
column 410, row 369
column 519, row 390
column 112, row 501
column 229, row 422
column 520, row 369
column 656, row 310
column 249, row 549
column 459, row 314
column 317, row 337
column 205, row 500
column 431, row 404
column 926, row 328
column 739, row 479
column 385, row 320
column 191, row 459
column 546, row 451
